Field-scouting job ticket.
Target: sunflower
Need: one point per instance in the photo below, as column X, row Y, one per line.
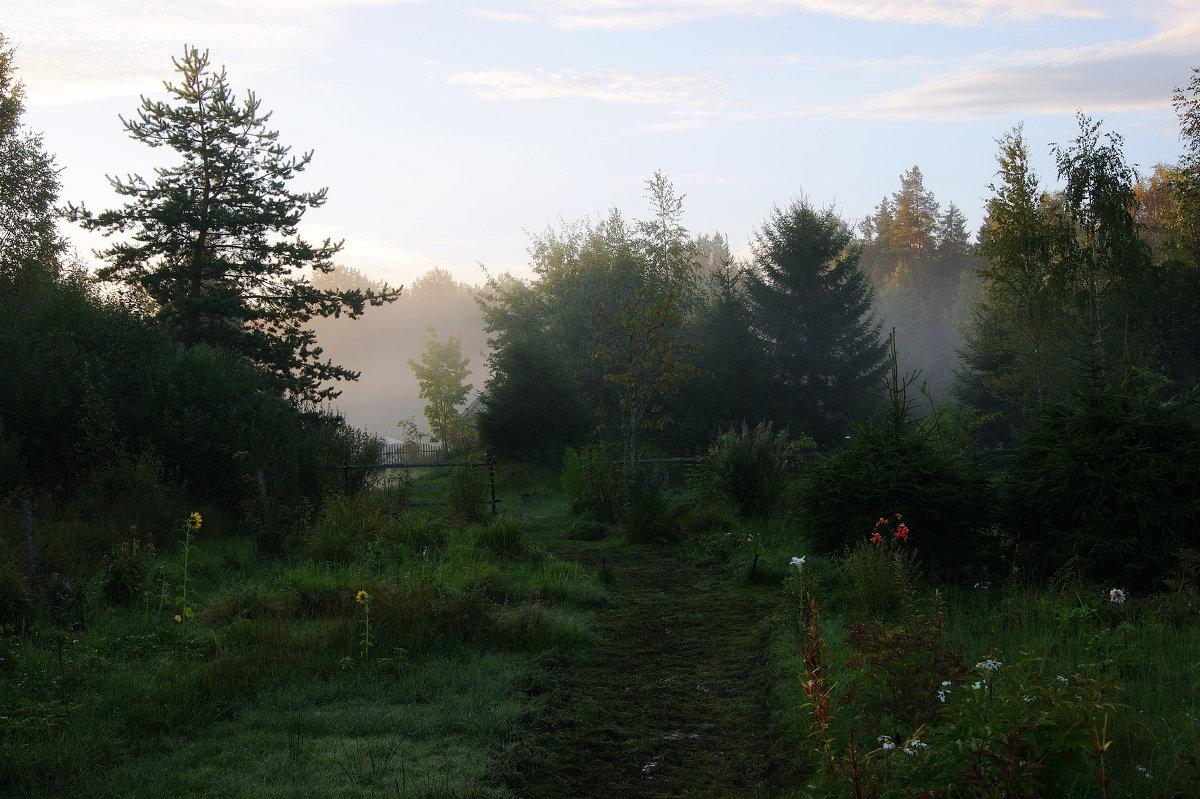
column 362, row 597
column 194, row 520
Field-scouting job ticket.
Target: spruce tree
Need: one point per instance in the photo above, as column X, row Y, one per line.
column 215, row 252
column 811, row 308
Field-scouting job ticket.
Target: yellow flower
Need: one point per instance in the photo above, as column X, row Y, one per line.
column 178, row 618
column 362, row 597
column 194, row 521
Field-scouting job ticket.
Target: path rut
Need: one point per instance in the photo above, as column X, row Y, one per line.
column 673, row 698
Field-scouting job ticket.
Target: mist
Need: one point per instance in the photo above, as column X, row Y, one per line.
column 380, row 343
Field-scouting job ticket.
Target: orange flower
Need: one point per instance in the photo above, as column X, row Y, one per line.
column 882, row 521
column 902, row 532
column 876, row 538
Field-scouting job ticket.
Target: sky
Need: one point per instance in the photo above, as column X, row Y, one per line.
column 448, row 133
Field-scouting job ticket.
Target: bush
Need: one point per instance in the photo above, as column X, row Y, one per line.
column 944, row 498
column 748, row 469
column 1108, row 479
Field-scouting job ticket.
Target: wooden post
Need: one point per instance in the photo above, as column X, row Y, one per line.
column 30, row 547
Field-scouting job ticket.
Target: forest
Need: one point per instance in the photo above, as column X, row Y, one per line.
column 882, row 508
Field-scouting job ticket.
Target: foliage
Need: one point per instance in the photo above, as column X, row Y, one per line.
column 506, row 537
column 895, row 465
column 346, row 525
column 749, row 469
column 532, row 406
column 592, row 483
column 216, row 245
column 440, row 374
column 882, row 570
column 811, row 307
column 468, row 497
column 647, row 512
column 1106, row 479
column 643, row 352
column 30, row 247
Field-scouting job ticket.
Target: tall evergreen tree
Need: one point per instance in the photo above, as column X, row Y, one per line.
column 215, row 248
column 812, row 311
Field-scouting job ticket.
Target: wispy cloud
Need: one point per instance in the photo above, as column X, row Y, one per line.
column 614, row 86
column 1113, row 77
column 60, row 44
column 624, row 15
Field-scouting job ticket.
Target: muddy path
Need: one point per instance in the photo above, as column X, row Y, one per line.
column 673, row 698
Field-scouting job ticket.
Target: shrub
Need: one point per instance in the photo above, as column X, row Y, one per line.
column 748, row 469
column 1110, row 479
column 647, row 513
column 882, row 471
column 881, row 571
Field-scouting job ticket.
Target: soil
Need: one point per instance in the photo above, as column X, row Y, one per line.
column 673, row 699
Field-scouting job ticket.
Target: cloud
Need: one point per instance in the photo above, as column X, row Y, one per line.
column 1113, row 77
column 79, row 50
column 628, row 15
column 614, row 86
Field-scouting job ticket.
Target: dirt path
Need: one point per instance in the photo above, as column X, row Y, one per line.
column 672, row 701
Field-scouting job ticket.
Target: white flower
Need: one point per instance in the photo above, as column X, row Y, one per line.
column 1062, row 679
column 977, row 685
column 889, row 746
column 799, row 562
column 908, row 751
column 917, row 744
column 989, row 664
column 1116, row 596
column 942, row 694
column 946, row 682
column 1028, row 699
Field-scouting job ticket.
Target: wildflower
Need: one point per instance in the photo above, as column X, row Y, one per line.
column 1145, row 772
column 882, row 521
column 908, row 751
column 942, row 694
column 916, row 743
column 889, row 746
column 799, row 562
column 194, row 521
column 946, row 682
column 989, row 664
column 902, row 532
column 977, row 685
column 1027, row 699
column 1116, row 596
column 876, row 538
column 361, row 597
column 1062, row 679
column 178, row 619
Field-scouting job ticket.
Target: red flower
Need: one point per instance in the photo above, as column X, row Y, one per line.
column 881, row 521
column 902, row 532
column 876, row 538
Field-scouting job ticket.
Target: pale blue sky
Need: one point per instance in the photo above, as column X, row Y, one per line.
column 446, row 130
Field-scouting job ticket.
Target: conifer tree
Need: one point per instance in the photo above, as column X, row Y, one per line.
column 215, row 251
column 812, row 312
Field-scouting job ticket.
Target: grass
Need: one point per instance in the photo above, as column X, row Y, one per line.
column 508, row 659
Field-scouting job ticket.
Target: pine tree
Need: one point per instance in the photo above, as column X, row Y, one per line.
column 215, row 250
column 812, row 311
